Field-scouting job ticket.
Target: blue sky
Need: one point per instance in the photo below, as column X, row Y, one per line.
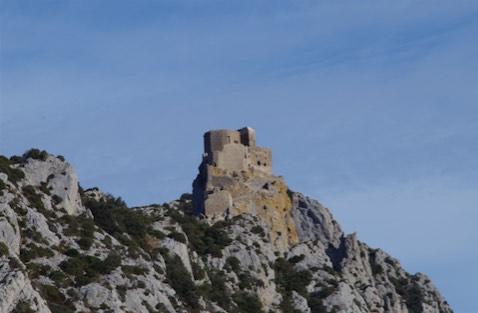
column 369, row 106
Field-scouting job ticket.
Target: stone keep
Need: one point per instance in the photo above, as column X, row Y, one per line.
column 235, row 177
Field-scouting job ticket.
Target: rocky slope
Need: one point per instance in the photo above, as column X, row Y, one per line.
column 65, row 249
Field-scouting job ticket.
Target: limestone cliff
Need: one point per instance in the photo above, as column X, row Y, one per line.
column 65, row 249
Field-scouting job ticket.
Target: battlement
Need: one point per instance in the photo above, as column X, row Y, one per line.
column 236, row 150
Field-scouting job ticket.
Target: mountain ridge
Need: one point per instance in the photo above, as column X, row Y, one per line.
column 65, row 249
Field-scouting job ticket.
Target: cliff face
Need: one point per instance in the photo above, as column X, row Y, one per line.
column 64, row 249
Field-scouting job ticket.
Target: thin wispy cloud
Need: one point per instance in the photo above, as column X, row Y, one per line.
column 369, row 106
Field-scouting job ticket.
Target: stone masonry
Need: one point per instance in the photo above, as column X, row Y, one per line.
column 235, row 177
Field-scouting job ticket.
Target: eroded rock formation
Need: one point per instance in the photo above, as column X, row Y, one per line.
column 65, row 249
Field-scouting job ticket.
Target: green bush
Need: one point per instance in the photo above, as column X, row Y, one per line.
column 203, row 239
column 198, row 272
column 258, row 230
column 86, row 269
column 296, row 259
column 81, row 226
column 58, row 277
column 14, row 263
column 112, row 215
column 3, row 249
column 247, row 303
column 180, row 280
column 2, row 187
column 316, row 304
column 32, row 251
column 35, row 154
column 23, row 307
column 111, row 262
column 290, row 279
column 246, row 281
column 411, row 292
column 133, row 269
column 177, row 236
column 56, row 300
column 14, row 174
column 217, row 290
column 33, row 197
column 37, row 269
column 234, row 264
column 85, row 243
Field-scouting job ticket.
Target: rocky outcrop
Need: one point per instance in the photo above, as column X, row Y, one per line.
column 59, row 178
column 90, row 253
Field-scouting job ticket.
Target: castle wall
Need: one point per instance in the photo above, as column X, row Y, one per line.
column 231, row 157
column 261, row 159
column 215, row 140
column 248, row 136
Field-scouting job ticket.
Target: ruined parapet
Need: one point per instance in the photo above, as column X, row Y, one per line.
column 235, row 177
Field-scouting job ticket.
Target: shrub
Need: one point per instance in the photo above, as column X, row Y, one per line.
column 3, row 249
column 2, row 186
column 217, row 290
column 56, row 300
column 35, row 154
column 112, row 261
column 81, row 226
column 246, row 281
column 296, row 259
column 23, row 307
column 32, row 251
column 14, row 263
column 85, row 243
column 14, row 174
column 290, row 279
column 198, row 272
column 234, row 264
column 37, row 269
column 247, row 303
column 112, row 215
column 86, row 269
column 180, row 280
column 72, row 252
column 133, row 269
column 33, row 197
column 411, row 292
column 258, row 230
column 316, row 304
column 177, row 236
column 58, row 277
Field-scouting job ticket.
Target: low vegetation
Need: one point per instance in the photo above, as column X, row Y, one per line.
column 86, row 268
column 409, row 290
column 288, row 280
column 179, row 278
column 14, row 174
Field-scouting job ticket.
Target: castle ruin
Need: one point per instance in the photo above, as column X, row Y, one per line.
column 236, row 150
column 235, row 177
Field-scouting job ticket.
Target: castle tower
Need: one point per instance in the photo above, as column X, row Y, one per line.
column 235, row 177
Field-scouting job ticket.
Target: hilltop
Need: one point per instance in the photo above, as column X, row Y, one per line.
column 67, row 249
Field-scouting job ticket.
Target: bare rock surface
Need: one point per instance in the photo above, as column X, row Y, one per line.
column 65, row 249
